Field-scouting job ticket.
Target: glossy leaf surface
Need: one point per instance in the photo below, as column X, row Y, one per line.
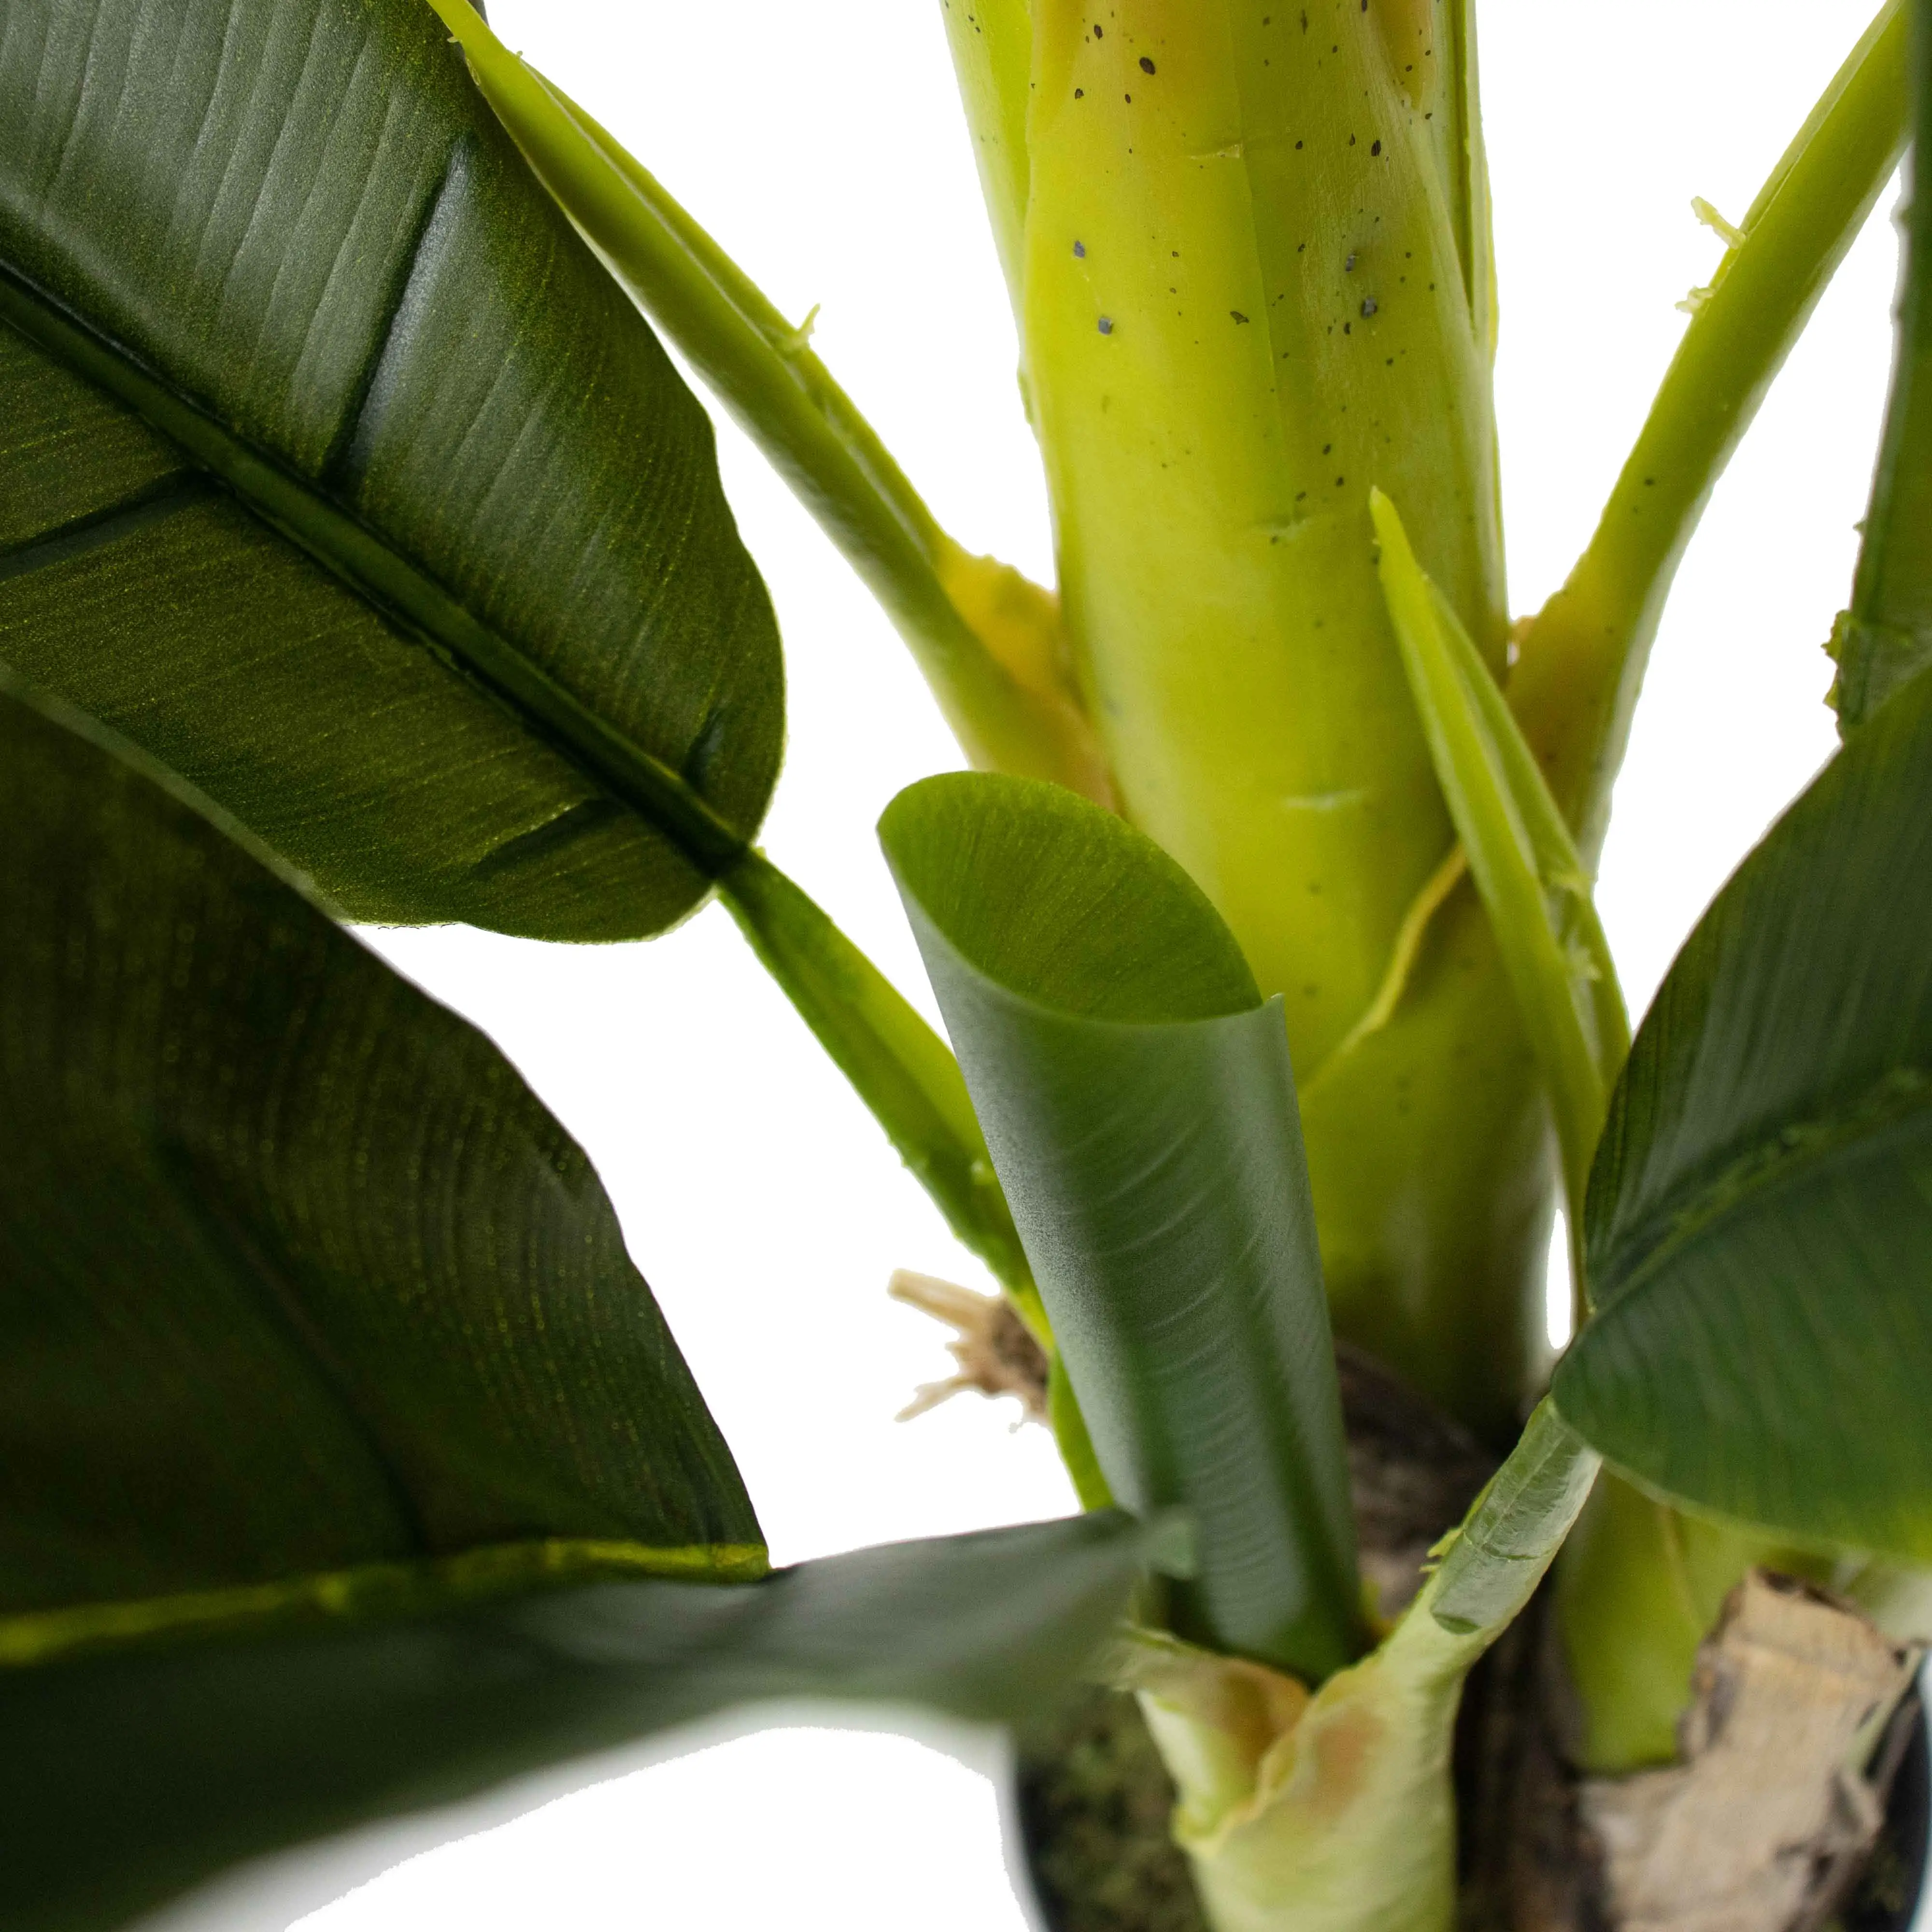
column 1760, row 1210
column 131, row 1774
column 335, row 473
column 1137, row 1097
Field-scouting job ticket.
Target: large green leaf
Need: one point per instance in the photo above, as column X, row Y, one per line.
column 130, row 1774
column 347, row 1464
column 1137, row 1098
column 294, row 1272
column 1759, row 1237
column 1886, row 635
column 335, row 472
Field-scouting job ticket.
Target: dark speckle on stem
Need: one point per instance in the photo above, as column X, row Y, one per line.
column 1146, row 65
column 1348, row 266
column 1080, row 250
column 1106, row 325
column 1237, row 315
column 1375, row 147
column 1368, row 306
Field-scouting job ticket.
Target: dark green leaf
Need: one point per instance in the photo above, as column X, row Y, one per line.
column 294, row 1271
column 1137, row 1097
column 130, row 1774
column 1759, row 1237
column 1887, row 634
column 335, row 472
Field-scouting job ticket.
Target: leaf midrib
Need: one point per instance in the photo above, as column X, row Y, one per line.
column 408, row 596
column 1898, row 1105
column 363, row 1591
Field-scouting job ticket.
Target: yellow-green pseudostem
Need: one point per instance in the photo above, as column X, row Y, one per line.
column 1246, row 300
column 988, row 641
column 1335, row 1813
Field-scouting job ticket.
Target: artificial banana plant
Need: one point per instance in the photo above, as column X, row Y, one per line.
column 363, row 558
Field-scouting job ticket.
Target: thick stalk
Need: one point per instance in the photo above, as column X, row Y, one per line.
column 1582, row 661
column 1244, row 305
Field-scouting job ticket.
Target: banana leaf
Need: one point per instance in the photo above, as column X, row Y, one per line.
column 1760, row 1208
column 347, row 1464
column 335, row 472
column 1139, row 1103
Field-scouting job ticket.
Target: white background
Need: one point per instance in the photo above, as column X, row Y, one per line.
column 824, row 147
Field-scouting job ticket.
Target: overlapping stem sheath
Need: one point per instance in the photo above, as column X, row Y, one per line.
column 986, row 639
column 1344, row 1818
column 1886, row 635
column 1246, row 301
column 1525, row 866
column 1582, row 661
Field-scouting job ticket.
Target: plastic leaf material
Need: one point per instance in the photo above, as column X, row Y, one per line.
column 1137, row 1097
column 1760, row 1210
column 1886, row 635
column 1525, row 862
column 987, row 640
column 346, row 1464
column 335, row 473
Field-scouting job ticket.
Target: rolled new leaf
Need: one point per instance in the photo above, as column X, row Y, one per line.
column 336, row 474
column 1533, row 884
column 1758, row 1236
column 1138, row 1100
column 347, row 1464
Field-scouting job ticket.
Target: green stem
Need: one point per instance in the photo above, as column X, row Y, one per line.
column 897, row 1064
column 907, row 1076
column 1887, row 634
column 986, row 641
column 1582, row 660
